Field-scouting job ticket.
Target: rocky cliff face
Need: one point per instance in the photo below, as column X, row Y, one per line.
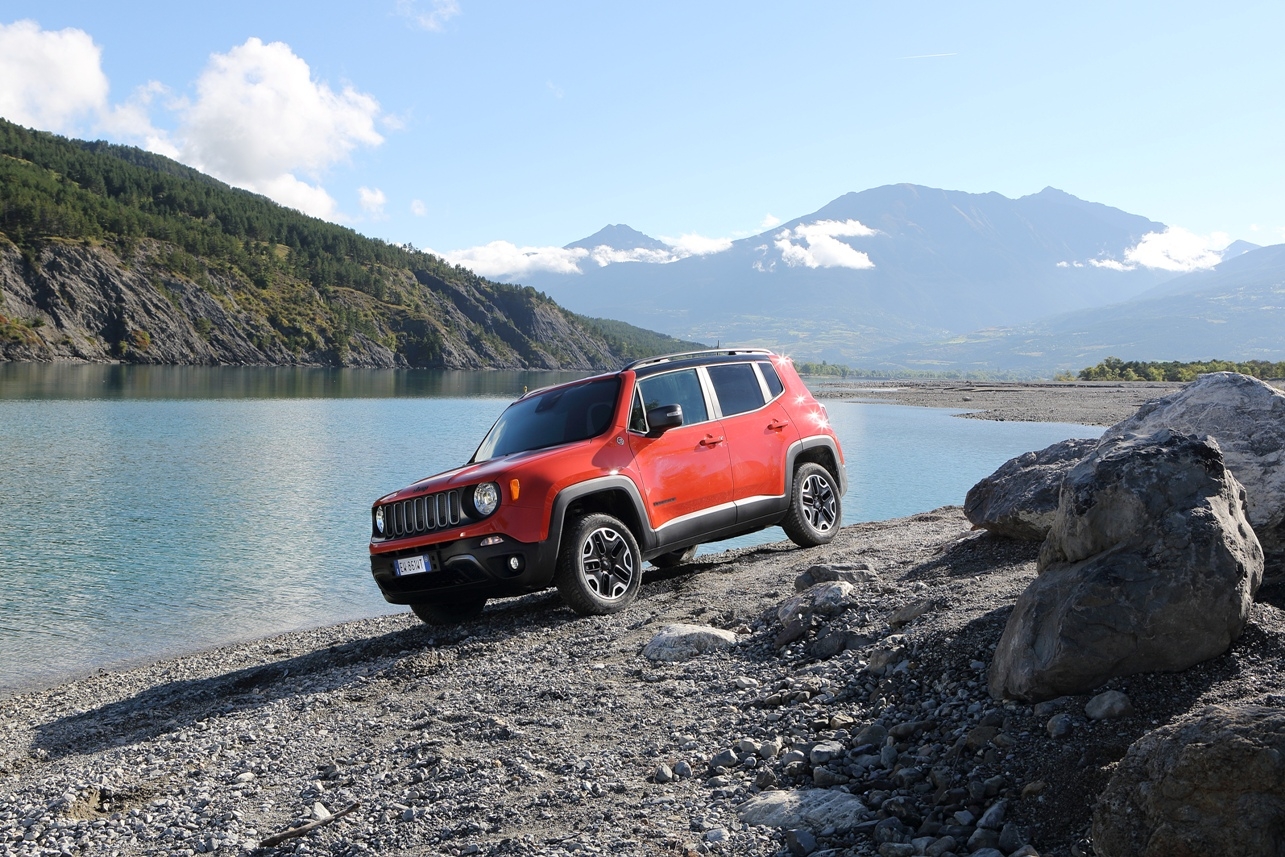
column 85, row 302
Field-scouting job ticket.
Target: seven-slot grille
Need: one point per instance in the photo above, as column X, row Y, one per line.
column 423, row 514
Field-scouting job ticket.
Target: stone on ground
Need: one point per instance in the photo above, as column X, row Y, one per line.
column 814, row 809
column 1019, row 499
column 680, row 642
column 1247, row 418
column 1150, row 566
column 1211, row 785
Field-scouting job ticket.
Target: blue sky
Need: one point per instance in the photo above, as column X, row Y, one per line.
column 453, row 124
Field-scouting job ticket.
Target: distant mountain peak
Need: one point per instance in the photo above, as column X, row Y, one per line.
column 619, row 237
column 1238, row 248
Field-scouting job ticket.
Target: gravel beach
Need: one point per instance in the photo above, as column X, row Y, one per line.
column 862, row 730
column 1095, row 403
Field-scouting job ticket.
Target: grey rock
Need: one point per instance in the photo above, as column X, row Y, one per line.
column 716, row 834
column 824, row 751
column 793, row 756
column 682, row 770
column 1059, row 725
column 875, row 734
column 983, row 838
column 824, row 778
column 857, row 574
column 944, row 845
column 800, row 841
column 725, row 759
column 890, row 651
column 1011, row 838
column 663, row 774
column 987, row 851
column 1150, row 566
column 907, row 613
column 1019, row 499
column 896, row 849
column 822, row 599
column 1247, row 418
column 681, row 642
column 993, row 817
column 815, row 809
column 1212, row 783
column 1108, row 705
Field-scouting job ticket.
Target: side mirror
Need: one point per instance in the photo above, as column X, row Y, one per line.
column 664, row 418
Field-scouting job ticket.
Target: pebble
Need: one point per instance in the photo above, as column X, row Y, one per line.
column 1108, row 706
column 1059, row 725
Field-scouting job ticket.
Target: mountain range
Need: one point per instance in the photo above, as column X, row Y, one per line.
column 905, row 276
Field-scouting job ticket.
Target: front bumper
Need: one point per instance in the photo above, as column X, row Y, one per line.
column 464, row 568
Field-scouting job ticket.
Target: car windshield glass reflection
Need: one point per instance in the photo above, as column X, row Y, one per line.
column 559, row 416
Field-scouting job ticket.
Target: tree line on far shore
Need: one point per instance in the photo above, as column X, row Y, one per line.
column 1115, row 369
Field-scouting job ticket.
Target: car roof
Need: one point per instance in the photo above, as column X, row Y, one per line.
column 684, row 359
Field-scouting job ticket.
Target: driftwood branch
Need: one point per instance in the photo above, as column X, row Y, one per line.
column 278, row 838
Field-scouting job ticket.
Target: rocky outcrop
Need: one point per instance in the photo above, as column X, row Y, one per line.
column 1211, row 785
column 1150, row 566
column 1247, row 418
column 82, row 302
column 1019, row 499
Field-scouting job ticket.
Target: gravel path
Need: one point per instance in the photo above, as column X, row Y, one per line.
column 534, row 731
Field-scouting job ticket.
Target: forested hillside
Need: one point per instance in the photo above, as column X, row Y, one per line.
column 113, row 253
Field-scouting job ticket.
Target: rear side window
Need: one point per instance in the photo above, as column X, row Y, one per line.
column 773, row 380
column 675, row 388
column 737, row 387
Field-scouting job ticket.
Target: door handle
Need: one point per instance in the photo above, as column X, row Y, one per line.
column 710, row 440
column 777, row 425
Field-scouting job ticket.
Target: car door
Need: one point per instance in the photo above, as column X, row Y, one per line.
column 759, row 433
column 686, row 470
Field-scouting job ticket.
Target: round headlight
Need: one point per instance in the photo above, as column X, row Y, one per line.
column 379, row 520
column 486, row 498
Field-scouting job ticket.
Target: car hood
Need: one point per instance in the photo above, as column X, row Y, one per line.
column 471, row 474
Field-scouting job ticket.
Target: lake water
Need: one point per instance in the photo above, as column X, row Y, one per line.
column 146, row 511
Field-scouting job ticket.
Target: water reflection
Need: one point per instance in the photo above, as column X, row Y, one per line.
column 97, row 381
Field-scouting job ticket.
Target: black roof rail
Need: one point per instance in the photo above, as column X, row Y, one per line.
column 687, row 355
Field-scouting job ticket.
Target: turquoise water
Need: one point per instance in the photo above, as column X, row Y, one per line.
column 146, row 511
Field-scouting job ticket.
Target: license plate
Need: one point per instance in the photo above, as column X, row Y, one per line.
column 411, row 565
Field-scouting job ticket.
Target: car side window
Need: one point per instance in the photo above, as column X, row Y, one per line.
column 773, row 380
column 737, row 388
column 675, row 388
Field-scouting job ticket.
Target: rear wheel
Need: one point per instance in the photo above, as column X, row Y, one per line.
column 449, row 612
column 599, row 566
column 815, row 508
column 674, row 558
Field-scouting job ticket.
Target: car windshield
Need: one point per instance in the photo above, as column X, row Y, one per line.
column 559, row 416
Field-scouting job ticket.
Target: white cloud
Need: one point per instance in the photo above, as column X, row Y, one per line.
column 769, row 220
column 372, row 201
column 437, row 14
column 604, row 255
column 557, row 91
column 259, row 118
column 824, row 249
column 50, row 79
column 692, row 244
column 503, row 258
column 1176, row 249
column 418, row 208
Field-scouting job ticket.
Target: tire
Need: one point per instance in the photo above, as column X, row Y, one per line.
column 450, row 612
column 674, row 558
column 815, row 507
column 599, row 566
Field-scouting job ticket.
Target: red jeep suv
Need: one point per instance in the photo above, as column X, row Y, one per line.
column 577, row 485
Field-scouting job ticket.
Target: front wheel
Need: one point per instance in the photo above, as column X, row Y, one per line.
column 815, row 508
column 599, row 566
column 451, row 612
